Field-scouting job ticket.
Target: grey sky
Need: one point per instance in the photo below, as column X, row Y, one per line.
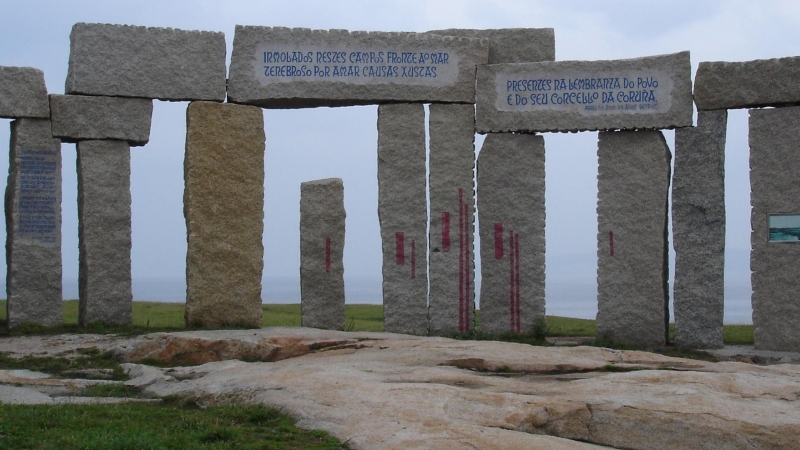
column 341, row 142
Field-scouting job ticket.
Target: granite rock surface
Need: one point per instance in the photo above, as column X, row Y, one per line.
column 33, row 225
column 632, row 265
column 224, row 211
column 512, row 227
column 23, row 93
column 276, row 67
column 322, row 222
column 380, row 391
column 512, row 45
column 80, row 117
column 747, row 84
column 402, row 211
column 148, row 62
column 698, row 228
column 451, row 297
column 653, row 92
column 104, row 233
column 773, row 135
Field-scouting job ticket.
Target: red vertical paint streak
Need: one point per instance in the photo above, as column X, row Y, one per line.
column 467, row 267
column 399, row 245
column 445, row 231
column 611, row 242
column 413, row 258
column 511, row 309
column 461, row 319
column 516, row 273
column 498, row 241
column 327, row 254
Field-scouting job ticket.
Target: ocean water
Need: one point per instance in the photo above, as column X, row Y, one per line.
column 564, row 298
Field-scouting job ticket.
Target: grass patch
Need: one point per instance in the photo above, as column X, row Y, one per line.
column 62, row 366
column 155, row 316
column 159, row 426
column 118, row 390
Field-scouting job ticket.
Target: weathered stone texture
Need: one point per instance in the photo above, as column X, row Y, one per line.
column 80, row 117
column 322, row 218
column 158, row 63
column 33, row 225
column 104, row 232
column 748, row 84
column 512, row 222
column 633, row 186
column 774, row 189
column 452, row 205
column 23, row 93
column 512, row 45
column 402, row 210
column 224, row 210
column 698, row 227
column 300, row 67
column 641, row 93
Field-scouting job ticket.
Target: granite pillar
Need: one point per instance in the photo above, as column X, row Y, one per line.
column 402, row 210
column 512, row 226
column 224, row 209
column 104, row 232
column 33, row 225
column 452, row 206
column 775, row 224
column 632, row 259
column 322, row 218
column 698, row 227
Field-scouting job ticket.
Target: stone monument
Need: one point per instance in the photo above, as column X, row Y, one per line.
column 321, row 254
column 224, row 210
column 402, row 211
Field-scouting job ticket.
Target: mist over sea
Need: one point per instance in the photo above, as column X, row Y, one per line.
column 570, row 298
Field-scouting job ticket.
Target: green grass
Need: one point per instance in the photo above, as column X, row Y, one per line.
column 174, row 425
column 90, row 358
column 155, row 316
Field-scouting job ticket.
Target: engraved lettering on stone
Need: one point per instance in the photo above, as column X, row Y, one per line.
column 38, row 195
column 354, row 65
column 601, row 93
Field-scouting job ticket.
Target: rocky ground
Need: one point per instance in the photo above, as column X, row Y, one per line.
column 379, row 390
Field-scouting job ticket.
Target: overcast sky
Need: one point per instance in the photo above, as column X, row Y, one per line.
column 310, row 144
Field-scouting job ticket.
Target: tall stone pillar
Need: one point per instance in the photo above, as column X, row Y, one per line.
column 452, row 205
column 698, row 227
column 632, row 259
column 224, row 209
column 511, row 195
column 322, row 218
column 33, row 225
column 775, row 224
column 104, row 232
column 402, row 210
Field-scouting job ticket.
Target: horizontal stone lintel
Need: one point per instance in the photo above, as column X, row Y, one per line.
column 301, row 68
column 652, row 92
column 146, row 62
column 748, row 84
column 82, row 117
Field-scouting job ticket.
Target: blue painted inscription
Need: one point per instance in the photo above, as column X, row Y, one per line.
column 37, row 197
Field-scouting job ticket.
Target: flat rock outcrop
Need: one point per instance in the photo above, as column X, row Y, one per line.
column 380, row 390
